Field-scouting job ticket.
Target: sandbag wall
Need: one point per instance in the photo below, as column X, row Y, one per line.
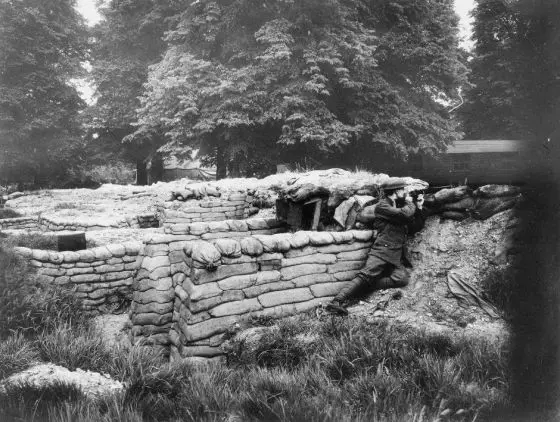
column 233, row 206
column 98, row 275
column 164, row 265
column 19, row 223
column 187, row 295
column 228, row 228
column 462, row 202
column 56, row 223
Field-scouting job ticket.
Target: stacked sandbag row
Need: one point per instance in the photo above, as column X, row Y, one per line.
column 462, row 202
column 97, row 275
column 153, row 295
column 228, row 228
column 195, row 191
column 56, row 223
column 234, row 206
column 220, row 283
column 19, row 223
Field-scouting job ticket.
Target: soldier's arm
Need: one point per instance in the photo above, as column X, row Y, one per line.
column 395, row 215
column 417, row 222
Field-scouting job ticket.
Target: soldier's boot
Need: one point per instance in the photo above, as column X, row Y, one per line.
column 398, row 278
column 349, row 289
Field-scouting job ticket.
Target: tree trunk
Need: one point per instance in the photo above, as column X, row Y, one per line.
column 141, row 173
column 221, row 169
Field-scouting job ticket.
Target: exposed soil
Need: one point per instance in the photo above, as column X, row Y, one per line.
column 92, row 384
column 465, row 247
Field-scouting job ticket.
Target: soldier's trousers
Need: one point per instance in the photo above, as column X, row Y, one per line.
column 377, row 274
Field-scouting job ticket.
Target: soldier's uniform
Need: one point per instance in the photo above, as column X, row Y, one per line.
column 387, row 265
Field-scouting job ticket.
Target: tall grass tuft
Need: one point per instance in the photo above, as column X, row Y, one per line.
column 31, row 402
column 16, row 354
column 74, row 347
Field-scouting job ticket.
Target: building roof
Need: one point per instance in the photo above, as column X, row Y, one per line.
column 466, row 146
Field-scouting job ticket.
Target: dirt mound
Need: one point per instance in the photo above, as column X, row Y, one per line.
column 465, row 247
column 92, row 384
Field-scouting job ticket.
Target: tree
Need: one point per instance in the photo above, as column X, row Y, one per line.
column 516, row 91
column 42, row 45
column 244, row 79
column 125, row 42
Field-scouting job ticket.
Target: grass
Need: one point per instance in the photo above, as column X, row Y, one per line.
column 35, row 241
column 302, row 368
column 345, row 370
column 8, row 213
column 16, row 354
column 65, row 206
column 30, row 402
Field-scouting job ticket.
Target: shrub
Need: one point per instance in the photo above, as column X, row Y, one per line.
column 94, row 175
column 16, row 354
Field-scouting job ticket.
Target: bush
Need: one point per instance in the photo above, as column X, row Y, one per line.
column 16, row 354
column 95, row 175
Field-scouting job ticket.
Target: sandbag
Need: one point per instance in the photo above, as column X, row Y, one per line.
column 454, row 215
column 306, row 191
column 367, row 215
column 205, row 255
column 497, row 191
column 251, row 246
column 464, row 204
column 228, row 247
column 446, row 196
column 487, row 207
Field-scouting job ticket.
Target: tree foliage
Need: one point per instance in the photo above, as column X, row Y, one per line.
column 42, row 43
column 125, row 42
column 247, row 81
column 516, row 92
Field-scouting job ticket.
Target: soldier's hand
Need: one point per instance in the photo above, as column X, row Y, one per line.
column 420, row 201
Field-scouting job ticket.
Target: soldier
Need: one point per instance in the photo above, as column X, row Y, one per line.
column 387, row 265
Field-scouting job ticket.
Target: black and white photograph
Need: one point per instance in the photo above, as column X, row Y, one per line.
column 279, row 210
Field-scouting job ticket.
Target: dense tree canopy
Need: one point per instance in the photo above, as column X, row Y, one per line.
column 240, row 78
column 42, row 43
column 125, row 42
column 516, row 92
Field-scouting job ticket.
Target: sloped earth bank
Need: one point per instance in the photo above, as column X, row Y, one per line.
column 465, row 247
